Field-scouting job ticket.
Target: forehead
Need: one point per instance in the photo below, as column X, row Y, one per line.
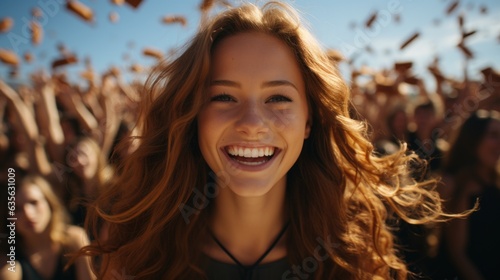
column 252, row 49
column 29, row 192
column 252, row 59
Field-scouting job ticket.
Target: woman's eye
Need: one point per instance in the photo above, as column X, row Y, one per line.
column 222, row 98
column 279, row 98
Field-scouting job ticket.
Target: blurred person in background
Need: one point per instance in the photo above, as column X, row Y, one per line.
column 422, row 138
column 89, row 173
column 397, row 131
column 43, row 236
column 470, row 173
column 49, row 130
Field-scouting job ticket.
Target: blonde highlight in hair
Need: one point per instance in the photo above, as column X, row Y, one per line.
column 337, row 190
column 59, row 217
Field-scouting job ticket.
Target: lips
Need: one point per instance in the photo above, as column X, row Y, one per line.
column 251, row 156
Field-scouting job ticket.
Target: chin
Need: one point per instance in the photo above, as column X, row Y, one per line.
column 249, row 191
column 250, row 188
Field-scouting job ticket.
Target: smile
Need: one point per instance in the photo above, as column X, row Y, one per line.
column 251, row 156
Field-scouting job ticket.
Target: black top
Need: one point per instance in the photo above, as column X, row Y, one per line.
column 29, row 272
column 217, row 270
column 483, row 246
column 251, row 272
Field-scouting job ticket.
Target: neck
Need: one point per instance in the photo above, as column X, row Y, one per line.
column 247, row 226
column 37, row 242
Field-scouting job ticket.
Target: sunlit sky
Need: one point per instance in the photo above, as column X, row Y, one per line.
column 336, row 24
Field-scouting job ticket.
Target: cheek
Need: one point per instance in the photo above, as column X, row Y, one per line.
column 204, row 124
column 292, row 127
column 282, row 119
column 92, row 164
column 291, row 118
column 21, row 218
column 208, row 134
column 212, row 122
column 45, row 212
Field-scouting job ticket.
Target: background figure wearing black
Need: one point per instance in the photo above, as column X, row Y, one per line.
column 471, row 245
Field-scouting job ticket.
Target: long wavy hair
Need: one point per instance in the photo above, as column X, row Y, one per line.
column 59, row 218
column 338, row 190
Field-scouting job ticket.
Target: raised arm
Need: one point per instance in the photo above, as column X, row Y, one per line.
column 71, row 100
column 49, row 121
column 28, row 124
column 112, row 115
column 34, row 147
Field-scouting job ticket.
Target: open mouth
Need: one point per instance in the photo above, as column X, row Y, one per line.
column 251, row 156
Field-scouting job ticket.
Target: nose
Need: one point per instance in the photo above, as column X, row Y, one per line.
column 252, row 121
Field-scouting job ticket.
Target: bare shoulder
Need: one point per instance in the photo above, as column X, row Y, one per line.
column 10, row 270
column 77, row 237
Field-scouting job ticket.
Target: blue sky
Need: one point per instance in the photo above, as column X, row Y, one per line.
column 336, row 24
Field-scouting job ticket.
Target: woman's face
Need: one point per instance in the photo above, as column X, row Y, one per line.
column 33, row 210
column 84, row 160
column 489, row 147
column 254, row 123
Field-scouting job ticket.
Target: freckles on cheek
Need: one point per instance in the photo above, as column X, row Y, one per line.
column 285, row 119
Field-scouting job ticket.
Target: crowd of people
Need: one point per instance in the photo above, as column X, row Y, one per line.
column 67, row 142
column 66, row 137
column 457, row 133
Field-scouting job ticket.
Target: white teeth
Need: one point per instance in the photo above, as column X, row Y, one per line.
column 255, row 152
column 250, row 152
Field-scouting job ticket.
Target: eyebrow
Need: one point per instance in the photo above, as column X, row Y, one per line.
column 268, row 84
column 227, row 83
column 278, row 83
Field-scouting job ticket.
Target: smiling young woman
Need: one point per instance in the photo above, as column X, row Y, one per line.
column 256, row 119
column 249, row 167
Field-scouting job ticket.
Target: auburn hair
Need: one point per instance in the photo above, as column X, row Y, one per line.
column 338, row 189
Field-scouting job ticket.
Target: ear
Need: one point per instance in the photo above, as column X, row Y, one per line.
column 308, row 127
